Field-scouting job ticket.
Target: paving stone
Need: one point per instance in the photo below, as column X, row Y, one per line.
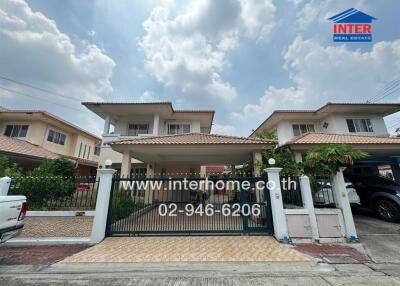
column 34, row 227
column 199, row 248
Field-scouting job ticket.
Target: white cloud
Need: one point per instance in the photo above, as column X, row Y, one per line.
column 332, row 73
column 223, row 129
column 34, row 50
column 148, row 96
column 186, row 48
column 318, row 11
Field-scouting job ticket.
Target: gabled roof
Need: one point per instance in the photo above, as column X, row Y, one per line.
column 17, row 146
column 22, row 148
column 352, row 16
column 383, row 109
column 52, row 117
column 330, row 138
column 117, row 110
column 193, row 139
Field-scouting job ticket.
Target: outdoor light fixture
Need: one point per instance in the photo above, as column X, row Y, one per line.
column 108, row 163
column 271, row 161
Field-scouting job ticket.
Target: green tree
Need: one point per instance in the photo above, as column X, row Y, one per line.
column 8, row 169
column 267, row 134
column 284, row 158
column 325, row 160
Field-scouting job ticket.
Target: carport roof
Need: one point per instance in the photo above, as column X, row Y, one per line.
column 329, row 138
column 194, row 139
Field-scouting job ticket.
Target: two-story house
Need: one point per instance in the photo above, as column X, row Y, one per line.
column 29, row 136
column 155, row 138
column 361, row 125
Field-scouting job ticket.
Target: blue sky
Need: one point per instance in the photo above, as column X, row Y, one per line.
column 241, row 58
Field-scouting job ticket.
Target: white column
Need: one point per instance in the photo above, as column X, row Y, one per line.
column 278, row 214
column 298, row 157
column 102, row 203
column 308, row 203
column 106, row 129
column 149, row 193
column 342, row 202
column 156, row 124
column 203, row 171
column 4, row 185
column 257, row 163
column 126, row 164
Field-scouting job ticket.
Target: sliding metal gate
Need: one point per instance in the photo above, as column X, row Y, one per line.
column 189, row 206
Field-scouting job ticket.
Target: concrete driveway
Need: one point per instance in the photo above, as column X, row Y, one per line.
column 381, row 239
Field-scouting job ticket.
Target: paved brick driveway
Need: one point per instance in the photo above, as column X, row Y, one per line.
column 191, row 249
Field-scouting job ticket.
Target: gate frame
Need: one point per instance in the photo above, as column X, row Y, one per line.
column 267, row 228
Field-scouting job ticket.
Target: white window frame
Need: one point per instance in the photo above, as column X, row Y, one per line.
column 13, row 124
column 357, row 124
column 56, row 132
column 95, row 150
column 138, row 123
column 180, row 124
column 307, row 128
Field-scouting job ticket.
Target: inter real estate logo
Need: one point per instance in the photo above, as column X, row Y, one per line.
column 352, row 26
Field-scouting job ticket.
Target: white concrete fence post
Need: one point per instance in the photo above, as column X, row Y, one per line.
column 278, row 213
column 102, row 203
column 308, row 203
column 4, row 185
column 342, row 202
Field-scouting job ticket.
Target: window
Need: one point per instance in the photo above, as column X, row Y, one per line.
column 84, row 152
column 80, row 150
column 97, row 150
column 136, row 129
column 299, row 129
column 88, row 154
column 359, row 125
column 16, row 130
column 178, row 128
column 56, row 137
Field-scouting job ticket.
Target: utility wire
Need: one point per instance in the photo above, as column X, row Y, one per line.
column 387, row 90
column 38, row 88
column 42, row 99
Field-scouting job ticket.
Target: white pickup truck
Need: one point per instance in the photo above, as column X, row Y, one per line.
column 12, row 213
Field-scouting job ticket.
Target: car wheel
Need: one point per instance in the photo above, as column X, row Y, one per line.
column 387, row 210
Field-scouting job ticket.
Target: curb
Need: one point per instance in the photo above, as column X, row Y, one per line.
column 47, row 241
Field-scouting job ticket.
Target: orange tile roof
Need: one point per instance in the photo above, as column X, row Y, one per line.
column 17, row 146
column 329, row 138
column 21, row 147
column 192, row 139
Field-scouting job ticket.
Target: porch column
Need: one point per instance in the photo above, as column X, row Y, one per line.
column 149, row 193
column 156, row 124
column 106, row 129
column 126, row 164
column 278, row 213
column 203, row 171
column 343, row 203
column 297, row 157
column 4, row 185
column 257, row 163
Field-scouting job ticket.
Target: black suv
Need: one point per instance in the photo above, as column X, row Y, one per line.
column 379, row 194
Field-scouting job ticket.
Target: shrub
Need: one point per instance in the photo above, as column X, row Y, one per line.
column 122, row 207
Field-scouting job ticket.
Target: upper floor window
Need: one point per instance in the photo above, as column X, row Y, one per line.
column 359, row 125
column 97, row 150
column 299, row 129
column 178, row 128
column 136, row 129
column 56, row 137
column 14, row 130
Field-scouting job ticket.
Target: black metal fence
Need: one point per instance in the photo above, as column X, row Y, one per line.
column 56, row 193
column 165, row 205
column 291, row 192
column 322, row 192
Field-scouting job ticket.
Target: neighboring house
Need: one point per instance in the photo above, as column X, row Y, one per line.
column 156, row 139
column 359, row 124
column 29, row 136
